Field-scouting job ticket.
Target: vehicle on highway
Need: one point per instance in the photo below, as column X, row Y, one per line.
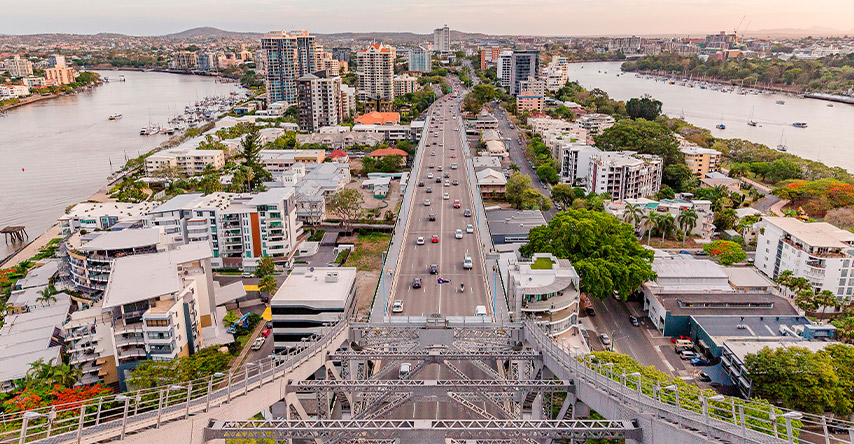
column 416, row 283
column 266, row 332
column 455, row 182
column 467, row 262
column 469, row 228
column 453, row 165
column 259, row 342
column 447, row 183
column 453, row 156
column 420, row 183
column 688, row 354
column 467, row 213
column 458, row 234
column 605, row 339
column 446, row 196
column 397, row 306
column 431, row 166
column 405, row 368
column 429, row 189
column 480, row 310
column 432, row 153
column 434, row 239
column 420, row 240
column 456, row 203
column 426, row 202
column 433, row 269
column 429, row 175
column 431, row 218
column 446, row 176
column 440, row 167
column 634, row 321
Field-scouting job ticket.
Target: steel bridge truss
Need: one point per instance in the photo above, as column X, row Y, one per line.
column 417, row 430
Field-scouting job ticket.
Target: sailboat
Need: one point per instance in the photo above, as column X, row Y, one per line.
column 781, row 146
column 750, row 120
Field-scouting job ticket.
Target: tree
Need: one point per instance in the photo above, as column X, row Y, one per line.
column 795, row 378
column 650, row 221
column 727, row 252
column 45, row 296
column 808, row 300
column 268, row 285
column 564, row 194
column 250, row 149
column 633, row 215
column 204, row 362
column 547, row 173
column 644, row 137
column 678, row 176
column 516, row 185
column 514, row 167
column 687, row 220
column 666, row 226
column 604, row 251
column 534, row 200
column 644, row 108
column 48, row 374
column 265, row 267
column 725, row 218
column 347, row 205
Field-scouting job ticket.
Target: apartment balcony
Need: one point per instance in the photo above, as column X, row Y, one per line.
column 554, row 303
column 80, row 358
column 812, row 273
column 130, row 340
column 132, row 352
column 816, row 252
column 121, row 327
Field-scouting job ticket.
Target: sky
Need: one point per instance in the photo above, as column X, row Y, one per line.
column 513, row 17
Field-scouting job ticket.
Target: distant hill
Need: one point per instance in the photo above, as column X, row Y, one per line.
column 212, row 33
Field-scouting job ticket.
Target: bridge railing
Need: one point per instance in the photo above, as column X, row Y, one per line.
column 724, row 416
column 116, row 414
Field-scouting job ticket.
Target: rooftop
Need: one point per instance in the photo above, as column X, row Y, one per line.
column 513, row 221
column 378, row 118
column 116, row 240
column 309, row 285
column 177, row 203
column 814, row 234
column 741, row 277
column 743, row 348
column 40, row 275
column 753, row 326
column 118, row 209
column 273, row 196
column 700, row 303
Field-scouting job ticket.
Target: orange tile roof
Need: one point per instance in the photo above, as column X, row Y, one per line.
column 378, row 118
column 382, row 152
column 337, row 153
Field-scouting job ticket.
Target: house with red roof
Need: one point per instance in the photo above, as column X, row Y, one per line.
column 339, row 156
column 378, row 118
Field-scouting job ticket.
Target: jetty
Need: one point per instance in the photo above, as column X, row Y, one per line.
column 15, row 234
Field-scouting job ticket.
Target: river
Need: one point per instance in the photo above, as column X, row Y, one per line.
column 827, row 138
column 58, row 152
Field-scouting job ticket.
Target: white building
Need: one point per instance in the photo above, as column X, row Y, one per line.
column 375, row 66
column 817, row 251
column 545, row 289
column 504, row 67
column 13, row 91
column 91, row 216
column 624, row 174
column 18, row 67
column 309, row 299
column 405, row 84
column 442, row 39
column 556, row 73
column 596, row 123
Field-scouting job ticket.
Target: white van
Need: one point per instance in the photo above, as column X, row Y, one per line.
column 467, row 263
column 405, row 368
column 480, row 310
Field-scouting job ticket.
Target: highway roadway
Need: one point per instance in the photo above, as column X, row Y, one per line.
column 443, row 148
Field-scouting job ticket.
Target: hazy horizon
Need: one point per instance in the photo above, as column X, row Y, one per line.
column 502, row 17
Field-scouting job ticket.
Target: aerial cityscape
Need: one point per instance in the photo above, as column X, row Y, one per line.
column 415, row 223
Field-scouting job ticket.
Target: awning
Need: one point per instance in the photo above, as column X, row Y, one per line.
column 267, row 315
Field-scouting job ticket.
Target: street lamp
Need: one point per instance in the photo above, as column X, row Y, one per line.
column 28, row 415
column 246, row 376
column 789, row 416
column 126, row 400
column 675, row 389
column 210, row 389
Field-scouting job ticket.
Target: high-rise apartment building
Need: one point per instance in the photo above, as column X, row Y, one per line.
column 289, row 56
column 556, row 73
column 319, row 102
column 207, row 61
column 19, row 67
column 375, row 67
column 504, row 66
column 341, row 54
column 524, row 64
column 420, row 60
column 442, row 39
column 623, row 174
column 405, row 84
column 531, row 96
column 184, row 60
column 489, row 57
column 61, row 75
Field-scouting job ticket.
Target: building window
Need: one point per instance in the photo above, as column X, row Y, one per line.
column 157, row 322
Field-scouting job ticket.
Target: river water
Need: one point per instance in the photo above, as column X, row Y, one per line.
column 829, row 137
column 57, row 152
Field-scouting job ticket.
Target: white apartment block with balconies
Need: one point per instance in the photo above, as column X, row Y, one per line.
column 624, row 174
column 556, row 73
column 818, row 251
column 546, row 289
column 91, row 216
column 376, row 73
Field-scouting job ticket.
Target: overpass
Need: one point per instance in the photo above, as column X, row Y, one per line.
column 471, row 377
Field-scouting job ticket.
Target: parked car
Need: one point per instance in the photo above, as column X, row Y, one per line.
column 688, row 354
column 247, row 275
column 634, row 321
column 703, row 377
column 605, row 339
column 397, row 306
column 266, row 332
column 699, row 362
column 416, row 283
column 259, row 342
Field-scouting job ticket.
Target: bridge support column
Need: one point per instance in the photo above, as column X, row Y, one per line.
column 580, row 410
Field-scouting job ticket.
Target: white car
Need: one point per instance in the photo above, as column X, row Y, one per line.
column 469, row 228
column 429, row 175
column 458, row 234
column 426, row 202
column 420, row 240
column 397, row 306
column 446, row 196
column 259, row 342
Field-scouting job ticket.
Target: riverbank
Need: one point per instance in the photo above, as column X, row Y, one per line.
column 775, row 89
column 43, row 97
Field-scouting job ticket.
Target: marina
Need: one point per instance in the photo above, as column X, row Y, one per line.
column 823, row 132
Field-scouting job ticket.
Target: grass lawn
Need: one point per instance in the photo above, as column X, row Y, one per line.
column 542, row 263
column 367, row 254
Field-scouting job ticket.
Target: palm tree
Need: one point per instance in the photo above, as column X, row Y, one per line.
column 650, row 221
column 45, row 296
column 687, row 220
column 268, row 285
column 633, row 215
column 666, row 224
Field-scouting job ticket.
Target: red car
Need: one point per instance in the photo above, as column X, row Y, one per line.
column 453, row 156
column 435, row 239
column 456, row 203
column 673, row 340
column 265, row 332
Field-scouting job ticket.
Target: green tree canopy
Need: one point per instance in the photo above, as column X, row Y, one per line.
column 603, row 250
column 727, row 252
column 643, row 136
column 643, row 108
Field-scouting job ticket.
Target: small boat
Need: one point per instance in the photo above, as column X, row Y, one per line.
column 800, row 124
column 143, row 131
column 750, row 121
column 781, row 102
column 720, row 126
column 115, row 116
column 830, row 105
column 782, row 145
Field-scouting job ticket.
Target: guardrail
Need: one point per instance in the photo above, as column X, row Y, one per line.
column 727, row 417
column 113, row 416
